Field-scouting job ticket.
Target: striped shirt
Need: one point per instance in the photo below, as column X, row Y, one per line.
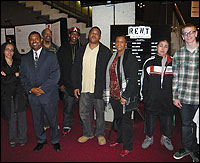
column 185, row 66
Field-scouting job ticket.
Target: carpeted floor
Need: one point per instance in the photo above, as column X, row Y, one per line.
column 72, row 151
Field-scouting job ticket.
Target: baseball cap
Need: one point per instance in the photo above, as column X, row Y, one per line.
column 74, row 29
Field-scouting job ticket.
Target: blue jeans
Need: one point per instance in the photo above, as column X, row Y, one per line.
column 86, row 104
column 189, row 140
column 17, row 126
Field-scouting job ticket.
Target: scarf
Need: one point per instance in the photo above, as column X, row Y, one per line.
column 106, row 95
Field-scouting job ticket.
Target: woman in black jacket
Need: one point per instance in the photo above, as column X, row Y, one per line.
column 13, row 96
column 122, row 92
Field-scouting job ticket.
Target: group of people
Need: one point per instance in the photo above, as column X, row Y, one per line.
column 93, row 77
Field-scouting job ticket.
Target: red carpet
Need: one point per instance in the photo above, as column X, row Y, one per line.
column 72, row 151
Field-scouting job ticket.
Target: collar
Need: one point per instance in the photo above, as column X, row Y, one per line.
column 38, row 51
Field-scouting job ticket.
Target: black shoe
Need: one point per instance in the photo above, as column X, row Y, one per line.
column 56, row 147
column 66, row 131
column 39, row 146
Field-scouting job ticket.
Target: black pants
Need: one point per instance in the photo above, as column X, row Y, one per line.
column 166, row 127
column 125, row 128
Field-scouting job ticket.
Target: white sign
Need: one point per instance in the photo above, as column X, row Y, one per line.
column 10, row 31
column 139, row 32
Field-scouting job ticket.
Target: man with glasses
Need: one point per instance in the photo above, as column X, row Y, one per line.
column 185, row 87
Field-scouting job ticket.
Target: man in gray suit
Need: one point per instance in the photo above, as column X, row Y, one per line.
column 39, row 74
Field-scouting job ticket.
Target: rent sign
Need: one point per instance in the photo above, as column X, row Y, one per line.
column 139, row 32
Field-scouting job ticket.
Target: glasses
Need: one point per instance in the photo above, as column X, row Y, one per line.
column 190, row 33
column 11, row 50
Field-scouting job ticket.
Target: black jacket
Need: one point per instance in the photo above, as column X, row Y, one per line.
column 157, row 97
column 103, row 57
column 64, row 55
column 11, row 86
column 130, row 65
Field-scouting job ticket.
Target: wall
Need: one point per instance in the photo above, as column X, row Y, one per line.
column 104, row 16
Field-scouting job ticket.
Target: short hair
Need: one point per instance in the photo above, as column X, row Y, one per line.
column 188, row 25
column 96, row 28
column 121, row 36
column 34, row 32
column 45, row 30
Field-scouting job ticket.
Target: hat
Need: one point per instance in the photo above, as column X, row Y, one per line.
column 74, row 29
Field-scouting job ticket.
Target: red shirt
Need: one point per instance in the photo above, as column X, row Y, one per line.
column 114, row 84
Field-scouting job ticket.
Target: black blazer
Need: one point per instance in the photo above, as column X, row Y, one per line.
column 103, row 57
column 46, row 76
column 130, row 65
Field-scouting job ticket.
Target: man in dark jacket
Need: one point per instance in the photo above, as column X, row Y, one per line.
column 88, row 78
column 156, row 91
column 66, row 55
column 48, row 45
column 39, row 74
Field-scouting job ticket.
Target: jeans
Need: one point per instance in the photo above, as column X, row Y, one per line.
column 189, row 140
column 17, row 126
column 68, row 109
column 86, row 104
column 166, row 127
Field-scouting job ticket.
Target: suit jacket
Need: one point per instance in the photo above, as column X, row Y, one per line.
column 46, row 76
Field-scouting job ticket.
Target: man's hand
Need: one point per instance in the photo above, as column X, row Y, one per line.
column 177, row 103
column 37, row 91
column 76, row 93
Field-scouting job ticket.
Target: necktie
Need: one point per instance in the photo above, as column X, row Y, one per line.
column 36, row 59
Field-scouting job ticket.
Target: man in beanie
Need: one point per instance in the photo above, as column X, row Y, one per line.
column 66, row 55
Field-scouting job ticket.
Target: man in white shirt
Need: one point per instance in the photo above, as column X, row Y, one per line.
column 88, row 78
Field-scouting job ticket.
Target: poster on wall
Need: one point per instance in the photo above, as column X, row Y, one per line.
column 141, row 40
column 22, row 33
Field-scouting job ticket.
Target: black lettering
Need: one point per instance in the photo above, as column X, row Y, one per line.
column 130, row 30
column 136, row 30
column 142, row 30
column 147, row 30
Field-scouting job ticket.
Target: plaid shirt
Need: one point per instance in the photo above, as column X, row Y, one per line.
column 185, row 66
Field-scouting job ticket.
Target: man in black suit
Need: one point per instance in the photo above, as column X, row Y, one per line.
column 39, row 74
